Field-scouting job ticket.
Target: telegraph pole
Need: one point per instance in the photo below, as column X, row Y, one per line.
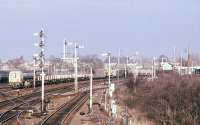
column 153, row 68
column 42, row 62
column 188, row 59
column 76, row 46
column 75, row 68
column 152, row 71
column 174, row 55
column 127, row 58
column 105, row 105
column 109, row 69
column 109, row 81
column 64, row 49
column 118, row 64
column 91, row 79
column 181, row 64
column 34, row 74
column 109, row 66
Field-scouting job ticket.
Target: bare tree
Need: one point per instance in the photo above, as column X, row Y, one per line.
column 92, row 60
column 17, row 63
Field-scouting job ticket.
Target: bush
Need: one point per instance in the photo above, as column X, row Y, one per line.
column 170, row 100
column 133, row 82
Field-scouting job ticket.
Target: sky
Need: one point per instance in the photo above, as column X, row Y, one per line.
column 151, row 27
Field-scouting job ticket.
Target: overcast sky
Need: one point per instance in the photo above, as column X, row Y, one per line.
column 152, row 27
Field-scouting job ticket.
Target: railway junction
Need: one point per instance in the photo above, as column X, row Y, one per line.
column 45, row 97
column 62, row 103
column 70, row 92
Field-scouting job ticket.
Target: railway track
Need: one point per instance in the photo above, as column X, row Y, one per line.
column 10, row 114
column 18, row 102
column 13, row 119
column 9, row 102
column 35, row 99
column 14, row 111
column 5, row 89
column 4, row 95
column 64, row 114
column 66, row 111
column 20, row 99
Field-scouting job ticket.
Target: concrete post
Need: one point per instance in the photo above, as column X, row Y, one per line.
column 43, row 75
column 75, row 68
column 91, row 79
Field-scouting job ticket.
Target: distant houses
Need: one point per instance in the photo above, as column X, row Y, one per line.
column 166, row 66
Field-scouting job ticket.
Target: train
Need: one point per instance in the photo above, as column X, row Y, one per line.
column 19, row 79
column 4, row 76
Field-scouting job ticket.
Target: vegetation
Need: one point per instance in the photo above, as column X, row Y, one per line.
column 170, row 100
